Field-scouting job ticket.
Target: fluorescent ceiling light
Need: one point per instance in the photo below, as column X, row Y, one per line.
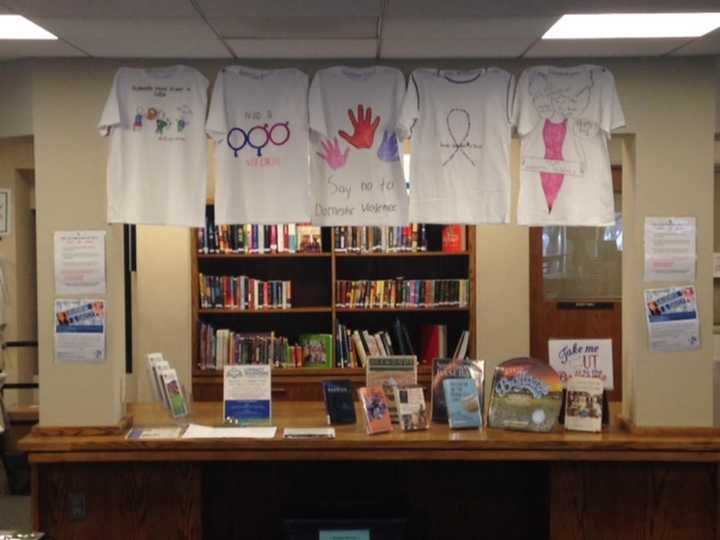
column 18, row 27
column 633, row 25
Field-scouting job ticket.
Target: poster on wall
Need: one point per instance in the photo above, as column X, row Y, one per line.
column 5, row 212
column 80, row 331
column 80, row 262
column 582, row 358
column 670, row 250
column 672, row 319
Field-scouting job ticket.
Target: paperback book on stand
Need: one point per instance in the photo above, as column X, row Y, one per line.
column 463, row 403
column 454, row 368
column 339, row 405
column 247, row 395
column 375, row 409
column 584, row 404
column 388, row 372
column 526, row 395
column 411, row 409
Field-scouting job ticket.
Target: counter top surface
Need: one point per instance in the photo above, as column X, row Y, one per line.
column 352, row 443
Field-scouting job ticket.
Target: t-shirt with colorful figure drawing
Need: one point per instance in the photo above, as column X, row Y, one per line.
column 157, row 166
column 461, row 126
column 565, row 117
column 357, row 176
column 259, row 120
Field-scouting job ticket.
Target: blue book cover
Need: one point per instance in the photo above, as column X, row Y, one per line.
column 339, row 403
column 463, row 403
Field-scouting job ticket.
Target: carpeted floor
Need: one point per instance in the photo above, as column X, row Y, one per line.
column 14, row 512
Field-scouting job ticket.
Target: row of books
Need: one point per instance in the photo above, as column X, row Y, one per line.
column 400, row 292
column 353, row 347
column 388, row 239
column 434, row 343
column 243, row 292
column 251, row 239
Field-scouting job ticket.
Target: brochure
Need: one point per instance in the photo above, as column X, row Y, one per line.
column 247, row 394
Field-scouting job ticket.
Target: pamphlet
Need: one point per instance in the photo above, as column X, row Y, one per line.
column 176, row 402
column 583, row 404
column 670, row 250
column 196, row 431
column 582, row 358
column 309, row 433
column 152, row 434
column 80, row 330
column 672, row 319
column 247, row 394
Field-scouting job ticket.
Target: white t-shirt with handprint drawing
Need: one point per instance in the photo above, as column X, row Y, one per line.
column 564, row 117
column 461, row 126
column 157, row 166
column 259, row 121
column 357, row 176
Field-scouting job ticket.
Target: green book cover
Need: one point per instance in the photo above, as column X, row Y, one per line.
column 317, row 350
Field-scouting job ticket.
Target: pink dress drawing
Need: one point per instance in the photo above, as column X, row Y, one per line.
column 554, row 138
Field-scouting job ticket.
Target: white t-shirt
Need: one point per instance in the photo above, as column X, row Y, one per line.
column 461, row 126
column 357, row 176
column 564, row 117
column 157, row 167
column 259, row 120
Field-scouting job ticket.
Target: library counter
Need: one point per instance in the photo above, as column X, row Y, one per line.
column 519, row 485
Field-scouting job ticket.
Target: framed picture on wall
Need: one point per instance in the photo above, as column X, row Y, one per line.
column 4, row 212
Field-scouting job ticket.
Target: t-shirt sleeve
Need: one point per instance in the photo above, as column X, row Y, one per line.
column 216, row 125
column 409, row 110
column 316, row 108
column 524, row 115
column 611, row 114
column 510, row 99
column 111, row 113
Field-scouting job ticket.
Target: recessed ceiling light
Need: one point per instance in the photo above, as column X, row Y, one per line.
column 633, row 25
column 18, row 27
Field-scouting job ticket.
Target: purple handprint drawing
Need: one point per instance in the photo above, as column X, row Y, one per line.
column 333, row 156
column 388, row 149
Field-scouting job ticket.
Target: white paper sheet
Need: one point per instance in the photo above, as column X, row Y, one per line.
column 582, row 358
column 670, row 249
column 80, row 330
column 672, row 319
column 196, row 431
column 79, row 262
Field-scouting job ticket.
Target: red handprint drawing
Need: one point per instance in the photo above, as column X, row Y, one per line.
column 364, row 128
column 334, row 157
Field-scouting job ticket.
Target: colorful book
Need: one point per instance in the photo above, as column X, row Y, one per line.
column 247, row 395
column 453, row 238
column 584, row 404
column 411, row 409
column 526, row 395
column 339, row 405
column 389, row 372
column 317, row 350
column 463, row 403
column 375, row 409
column 309, row 238
column 454, row 368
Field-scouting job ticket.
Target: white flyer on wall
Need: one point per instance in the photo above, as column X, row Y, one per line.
column 582, row 358
column 80, row 262
column 670, row 249
column 5, row 212
column 672, row 319
column 80, row 330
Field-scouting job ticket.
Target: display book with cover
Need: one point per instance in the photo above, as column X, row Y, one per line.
column 388, row 372
column 166, row 385
column 375, row 410
column 411, row 410
column 526, row 395
column 317, row 350
column 339, row 405
column 584, row 404
column 463, row 403
column 454, row 368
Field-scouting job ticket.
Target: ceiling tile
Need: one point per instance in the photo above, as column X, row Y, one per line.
column 145, row 38
column 295, row 27
column 466, row 28
column 454, row 48
column 574, row 48
column 26, row 48
column 303, row 48
column 292, row 8
column 708, row 44
column 103, row 9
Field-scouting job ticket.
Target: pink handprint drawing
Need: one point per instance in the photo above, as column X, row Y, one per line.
column 334, row 157
column 364, row 128
column 554, row 138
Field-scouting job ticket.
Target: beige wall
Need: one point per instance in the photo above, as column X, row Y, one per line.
column 15, row 99
column 670, row 108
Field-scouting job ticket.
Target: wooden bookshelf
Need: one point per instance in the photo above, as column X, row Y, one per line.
column 314, row 276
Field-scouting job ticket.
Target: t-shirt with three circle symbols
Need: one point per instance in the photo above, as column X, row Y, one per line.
column 564, row 117
column 357, row 176
column 259, row 121
column 157, row 166
column 461, row 126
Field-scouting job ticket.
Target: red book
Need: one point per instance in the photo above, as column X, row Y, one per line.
column 273, row 238
column 431, row 342
column 286, row 237
column 453, row 238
